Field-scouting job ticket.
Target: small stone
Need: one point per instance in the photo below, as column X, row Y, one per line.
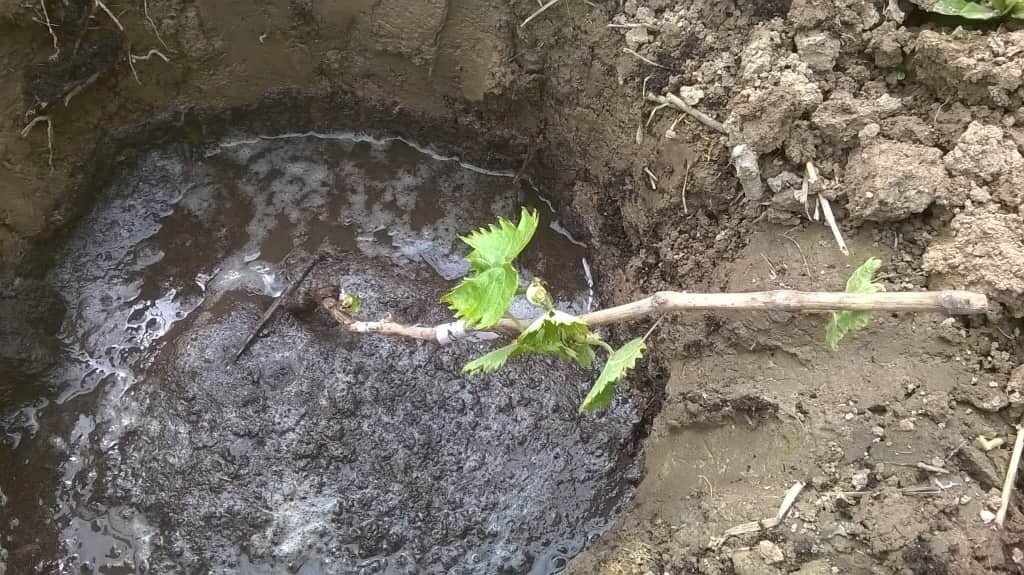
column 906, row 424
column 692, row 95
column 983, row 399
column 869, row 132
column 979, row 466
column 878, row 431
column 819, row 50
column 637, row 37
column 860, row 479
column 849, row 416
column 819, row 567
column 770, row 552
column 987, row 516
column 749, row 563
column 1017, row 555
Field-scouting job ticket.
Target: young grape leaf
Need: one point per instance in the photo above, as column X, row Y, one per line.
column 491, row 361
column 618, row 364
column 554, row 333
column 844, row 322
column 965, row 9
column 497, row 245
column 481, row 299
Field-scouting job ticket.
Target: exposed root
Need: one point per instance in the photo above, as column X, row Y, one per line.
column 156, row 31
column 78, row 89
column 677, row 103
column 103, row 7
column 49, row 134
column 132, row 59
column 539, row 11
column 49, row 26
column 645, row 60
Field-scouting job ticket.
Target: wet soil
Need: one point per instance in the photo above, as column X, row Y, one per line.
column 913, row 124
column 318, row 451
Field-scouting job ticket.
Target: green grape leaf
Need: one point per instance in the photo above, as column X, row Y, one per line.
column 491, row 361
column 499, row 244
column 618, row 364
column 481, row 299
column 554, row 333
column 965, row 9
column 844, row 322
column 560, row 334
column 584, row 354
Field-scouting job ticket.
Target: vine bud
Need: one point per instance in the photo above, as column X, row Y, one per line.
column 537, row 294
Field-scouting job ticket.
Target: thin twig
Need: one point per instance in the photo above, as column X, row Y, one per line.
column 645, row 60
column 267, row 315
column 49, row 26
column 103, row 7
column 1011, row 477
column 49, row 134
column 538, row 12
column 156, row 31
column 677, row 103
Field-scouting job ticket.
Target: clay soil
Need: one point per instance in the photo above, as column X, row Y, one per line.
column 913, row 123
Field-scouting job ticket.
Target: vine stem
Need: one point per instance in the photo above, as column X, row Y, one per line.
column 953, row 302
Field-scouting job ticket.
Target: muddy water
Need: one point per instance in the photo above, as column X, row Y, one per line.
column 318, row 451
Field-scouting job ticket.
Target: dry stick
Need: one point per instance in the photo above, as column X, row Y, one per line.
column 49, row 26
column 267, row 315
column 951, row 302
column 538, row 12
column 677, row 103
column 1011, row 476
column 156, row 31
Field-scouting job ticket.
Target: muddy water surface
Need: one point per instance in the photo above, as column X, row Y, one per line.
column 318, row 451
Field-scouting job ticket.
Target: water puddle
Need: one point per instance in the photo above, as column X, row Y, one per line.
column 318, row 451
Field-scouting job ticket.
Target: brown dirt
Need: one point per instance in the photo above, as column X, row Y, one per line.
column 753, row 403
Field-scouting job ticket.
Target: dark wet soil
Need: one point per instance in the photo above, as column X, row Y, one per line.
column 318, row 451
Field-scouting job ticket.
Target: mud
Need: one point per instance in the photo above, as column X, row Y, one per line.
column 308, row 454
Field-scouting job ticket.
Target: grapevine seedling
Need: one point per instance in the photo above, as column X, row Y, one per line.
column 481, row 302
column 483, row 298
